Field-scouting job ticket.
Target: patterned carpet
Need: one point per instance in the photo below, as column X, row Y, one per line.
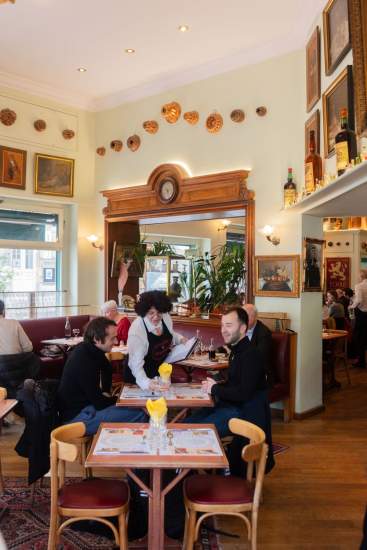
column 25, row 525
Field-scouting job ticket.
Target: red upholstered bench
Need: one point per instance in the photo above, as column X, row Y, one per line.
column 45, row 329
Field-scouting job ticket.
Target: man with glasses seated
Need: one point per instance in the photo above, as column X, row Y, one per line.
column 83, row 394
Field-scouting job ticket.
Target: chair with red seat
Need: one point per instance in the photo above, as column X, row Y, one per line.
column 218, row 495
column 90, row 499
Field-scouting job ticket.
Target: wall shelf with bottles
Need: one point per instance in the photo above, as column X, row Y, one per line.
column 351, row 179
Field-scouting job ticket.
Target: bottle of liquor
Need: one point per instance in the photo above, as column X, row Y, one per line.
column 313, row 166
column 345, row 144
column 290, row 190
column 211, row 352
column 67, row 328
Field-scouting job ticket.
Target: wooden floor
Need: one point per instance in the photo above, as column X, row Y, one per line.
column 316, row 495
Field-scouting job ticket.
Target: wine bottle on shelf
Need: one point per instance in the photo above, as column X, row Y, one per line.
column 67, row 328
column 289, row 190
column 345, row 144
column 211, row 351
column 313, row 166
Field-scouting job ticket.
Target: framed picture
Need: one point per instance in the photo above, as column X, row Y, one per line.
column 337, row 273
column 313, row 123
column 127, row 254
column 53, row 175
column 337, row 41
column 13, row 164
column 49, row 274
column 313, row 265
column 276, row 276
column 313, row 77
column 358, row 31
column 336, row 97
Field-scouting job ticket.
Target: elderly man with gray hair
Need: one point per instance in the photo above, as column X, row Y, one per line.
column 260, row 336
column 110, row 311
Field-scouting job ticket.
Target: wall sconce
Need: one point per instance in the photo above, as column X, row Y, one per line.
column 223, row 225
column 93, row 239
column 268, row 231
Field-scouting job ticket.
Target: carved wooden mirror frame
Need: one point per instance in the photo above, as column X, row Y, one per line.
column 170, row 191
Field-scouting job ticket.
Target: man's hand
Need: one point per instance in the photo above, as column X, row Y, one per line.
column 207, row 385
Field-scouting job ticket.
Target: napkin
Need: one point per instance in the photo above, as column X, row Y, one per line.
column 165, row 371
column 157, row 409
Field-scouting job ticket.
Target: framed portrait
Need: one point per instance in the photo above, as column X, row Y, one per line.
column 13, row 163
column 358, row 31
column 53, row 175
column 276, row 276
column 337, row 273
column 127, row 254
column 313, row 77
column 313, row 123
column 313, row 265
column 337, row 96
column 337, row 41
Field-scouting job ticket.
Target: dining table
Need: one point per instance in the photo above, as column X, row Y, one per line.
column 202, row 362
column 6, row 406
column 185, row 447
column 330, row 339
column 182, row 396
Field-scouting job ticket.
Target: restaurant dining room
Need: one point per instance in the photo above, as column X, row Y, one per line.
column 183, row 275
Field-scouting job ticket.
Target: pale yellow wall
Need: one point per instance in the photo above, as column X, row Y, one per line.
column 80, row 261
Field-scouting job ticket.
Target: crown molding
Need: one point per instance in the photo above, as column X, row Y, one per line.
column 46, row 91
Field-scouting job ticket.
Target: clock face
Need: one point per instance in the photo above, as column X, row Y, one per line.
column 168, row 190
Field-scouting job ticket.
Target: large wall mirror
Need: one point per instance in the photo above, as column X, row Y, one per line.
column 174, row 224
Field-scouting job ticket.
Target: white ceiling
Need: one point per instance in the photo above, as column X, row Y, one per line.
column 42, row 42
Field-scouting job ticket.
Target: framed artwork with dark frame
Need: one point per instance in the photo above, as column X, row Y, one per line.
column 338, row 95
column 358, row 30
column 53, row 175
column 313, row 76
column 313, row 265
column 337, row 272
column 276, row 276
column 13, row 164
column 337, row 41
column 313, row 124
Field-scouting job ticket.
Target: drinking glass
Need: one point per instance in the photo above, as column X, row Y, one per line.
column 76, row 332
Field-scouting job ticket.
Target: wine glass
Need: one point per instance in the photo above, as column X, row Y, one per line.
column 76, row 332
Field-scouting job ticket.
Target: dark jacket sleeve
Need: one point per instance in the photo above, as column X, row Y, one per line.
column 242, row 387
column 89, row 381
column 263, row 341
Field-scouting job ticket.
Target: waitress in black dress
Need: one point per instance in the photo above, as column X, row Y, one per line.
column 151, row 337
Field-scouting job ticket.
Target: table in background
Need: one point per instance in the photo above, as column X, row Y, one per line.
column 64, row 344
column 201, row 363
column 172, row 398
column 329, row 340
column 156, row 463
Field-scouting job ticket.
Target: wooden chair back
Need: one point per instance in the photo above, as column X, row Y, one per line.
column 64, row 447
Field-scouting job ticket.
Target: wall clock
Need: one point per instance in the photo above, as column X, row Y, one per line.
column 168, row 189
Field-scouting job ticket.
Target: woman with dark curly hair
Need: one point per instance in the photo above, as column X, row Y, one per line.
column 150, row 338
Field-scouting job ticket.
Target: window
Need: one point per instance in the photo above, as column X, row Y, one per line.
column 29, row 259
column 16, row 258
column 28, row 226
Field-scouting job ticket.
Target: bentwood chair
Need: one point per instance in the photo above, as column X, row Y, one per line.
column 90, row 499
column 212, row 495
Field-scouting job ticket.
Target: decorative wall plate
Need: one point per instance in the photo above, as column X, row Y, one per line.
column 8, row 117
column 151, row 126
column 237, row 115
column 261, row 111
column 214, row 123
column 116, row 145
column 68, row 134
column 101, row 151
column 133, row 142
column 39, row 125
column 171, row 112
column 192, row 117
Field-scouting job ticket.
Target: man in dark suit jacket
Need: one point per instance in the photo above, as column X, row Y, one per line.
column 260, row 336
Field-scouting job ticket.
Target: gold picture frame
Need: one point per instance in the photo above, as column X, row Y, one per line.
column 337, row 39
column 53, row 175
column 277, row 276
column 358, row 30
column 13, row 164
column 313, row 71
column 313, row 265
column 338, row 95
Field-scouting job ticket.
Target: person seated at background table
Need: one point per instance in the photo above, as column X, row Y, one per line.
column 83, row 394
column 335, row 309
column 260, row 336
column 109, row 310
column 17, row 360
column 150, row 338
column 344, row 299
